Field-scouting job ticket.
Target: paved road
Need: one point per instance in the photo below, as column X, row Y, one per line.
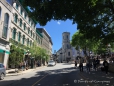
column 62, row 74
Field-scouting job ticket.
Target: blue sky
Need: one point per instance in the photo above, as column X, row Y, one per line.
column 55, row 30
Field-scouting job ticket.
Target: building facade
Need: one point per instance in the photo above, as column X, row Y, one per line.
column 46, row 42
column 16, row 27
column 5, row 28
column 67, row 52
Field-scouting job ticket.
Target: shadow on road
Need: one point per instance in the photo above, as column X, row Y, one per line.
column 62, row 77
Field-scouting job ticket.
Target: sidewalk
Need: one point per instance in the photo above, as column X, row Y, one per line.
column 12, row 72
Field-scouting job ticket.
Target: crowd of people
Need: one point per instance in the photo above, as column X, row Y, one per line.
column 92, row 63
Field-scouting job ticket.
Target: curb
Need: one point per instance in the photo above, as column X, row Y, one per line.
column 23, row 72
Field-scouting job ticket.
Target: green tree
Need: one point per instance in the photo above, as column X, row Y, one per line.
column 16, row 55
column 94, row 17
column 80, row 40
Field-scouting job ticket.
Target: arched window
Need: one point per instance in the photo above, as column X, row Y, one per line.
column 5, row 26
column 0, row 12
column 16, row 18
column 14, row 34
column 19, row 36
column 17, row 6
column 20, row 22
column 23, row 41
column 21, row 11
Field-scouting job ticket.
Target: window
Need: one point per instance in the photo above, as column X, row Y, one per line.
column 28, row 30
column 15, row 18
column 25, row 16
column 31, row 33
column 23, row 41
column 17, row 6
column 36, row 38
column 0, row 12
column 28, row 42
column 29, row 21
column 68, row 53
column 21, row 11
column 19, row 36
column 20, row 22
column 67, row 36
column 5, row 26
column 24, row 26
column 14, row 34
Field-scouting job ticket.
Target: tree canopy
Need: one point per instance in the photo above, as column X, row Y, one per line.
column 94, row 17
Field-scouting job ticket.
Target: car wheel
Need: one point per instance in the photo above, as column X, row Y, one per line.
column 2, row 76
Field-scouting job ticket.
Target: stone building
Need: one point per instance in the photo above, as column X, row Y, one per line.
column 46, row 42
column 18, row 28
column 5, row 28
column 67, row 52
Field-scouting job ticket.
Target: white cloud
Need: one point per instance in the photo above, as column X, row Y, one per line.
column 58, row 23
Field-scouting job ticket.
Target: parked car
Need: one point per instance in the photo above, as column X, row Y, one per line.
column 2, row 71
column 51, row 63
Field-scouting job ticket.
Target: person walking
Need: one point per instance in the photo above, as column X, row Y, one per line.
column 81, row 64
column 94, row 64
column 88, row 65
column 106, row 66
column 75, row 64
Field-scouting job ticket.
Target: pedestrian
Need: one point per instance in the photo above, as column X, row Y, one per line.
column 75, row 64
column 88, row 64
column 94, row 64
column 106, row 66
column 81, row 64
column 97, row 63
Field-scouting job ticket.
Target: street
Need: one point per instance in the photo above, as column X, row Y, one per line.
column 63, row 74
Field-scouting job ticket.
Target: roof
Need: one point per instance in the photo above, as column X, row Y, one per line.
column 39, row 33
column 41, row 30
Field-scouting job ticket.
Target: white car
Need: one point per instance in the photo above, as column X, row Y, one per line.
column 51, row 63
